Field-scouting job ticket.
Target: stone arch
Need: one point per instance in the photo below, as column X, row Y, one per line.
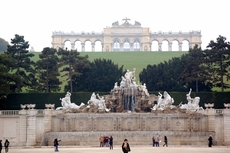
column 126, row 44
column 116, row 44
column 154, row 45
column 126, row 40
column 136, row 44
column 186, row 45
column 175, row 45
column 165, row 45
column 88, row 45
column 77, row 45
column 97, row 45
column 67, row 44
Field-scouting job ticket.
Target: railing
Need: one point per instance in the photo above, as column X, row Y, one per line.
column 219, row 111
column 55, row 33
column 176, row 33
column 40, row 112
column 9, row 112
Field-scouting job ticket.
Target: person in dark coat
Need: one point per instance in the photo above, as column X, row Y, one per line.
column 0, row 146
column 125, row 146
column 210, row 141
column 6, row 145
column 153, row 139
column 111, row 142
column 56, row 144
column 165, row 141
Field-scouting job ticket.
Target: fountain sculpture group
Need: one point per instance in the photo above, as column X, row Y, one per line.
column 127, row 109
column 129, row 97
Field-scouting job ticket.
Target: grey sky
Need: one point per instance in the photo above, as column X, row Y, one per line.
column 36, row 19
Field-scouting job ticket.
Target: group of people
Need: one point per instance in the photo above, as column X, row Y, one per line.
column 156, row 141
column 6, row 145
column 105, row 140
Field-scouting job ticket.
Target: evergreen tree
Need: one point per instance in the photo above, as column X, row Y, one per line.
column 194, row 71
column 217, row 61
column 6, row 78
column 22, row 64
column 71, row 62
column 100, row 77
column 48, row 73
column 164, row 76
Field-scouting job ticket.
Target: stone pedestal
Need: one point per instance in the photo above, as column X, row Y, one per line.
column 47, row 120
column 226, row 131
column 31, row 128
column 22, row 127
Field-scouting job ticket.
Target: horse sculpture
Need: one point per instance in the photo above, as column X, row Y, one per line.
column 163, row 102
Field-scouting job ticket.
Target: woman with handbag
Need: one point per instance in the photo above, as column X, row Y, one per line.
column 125, row 146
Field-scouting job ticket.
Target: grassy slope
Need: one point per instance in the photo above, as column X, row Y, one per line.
column 130, row 60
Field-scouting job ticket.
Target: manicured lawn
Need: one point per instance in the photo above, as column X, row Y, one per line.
column 129, row 60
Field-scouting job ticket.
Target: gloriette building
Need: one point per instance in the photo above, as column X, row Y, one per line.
column 126, row 37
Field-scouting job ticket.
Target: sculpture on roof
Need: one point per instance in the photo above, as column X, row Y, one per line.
column 126, row 23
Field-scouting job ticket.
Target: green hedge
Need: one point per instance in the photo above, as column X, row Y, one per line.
column 40, row 99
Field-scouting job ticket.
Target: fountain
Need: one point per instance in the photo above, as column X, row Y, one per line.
column 130, row 97
column 132, row 113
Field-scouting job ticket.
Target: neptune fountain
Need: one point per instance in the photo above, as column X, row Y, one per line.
column 129, row 97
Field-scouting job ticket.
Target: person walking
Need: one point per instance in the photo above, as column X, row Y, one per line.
column 210, row 141
column 125, row 146
column 56, row 144
column 6, row 145
column 0, row 146
column 111, row 143
column 165, row 141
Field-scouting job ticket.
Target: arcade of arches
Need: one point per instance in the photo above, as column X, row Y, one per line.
column 126, row 37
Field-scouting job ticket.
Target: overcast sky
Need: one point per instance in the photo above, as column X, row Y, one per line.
column 36, row 19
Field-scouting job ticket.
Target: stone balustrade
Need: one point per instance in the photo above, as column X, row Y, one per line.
column 31, row 127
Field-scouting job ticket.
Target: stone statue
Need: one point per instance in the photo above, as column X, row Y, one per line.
column 98, row 101
column 137, row 24
column 193, row 103
column 66, row 103
column 144, row 90
column 167, row 101
column 115, row 23
column 129, row 78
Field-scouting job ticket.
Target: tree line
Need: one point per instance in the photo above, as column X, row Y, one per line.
column 199, row 69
